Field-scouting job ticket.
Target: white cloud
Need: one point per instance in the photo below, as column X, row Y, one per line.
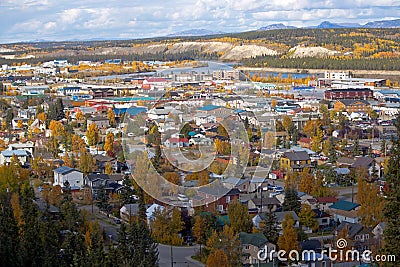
column 61, row 19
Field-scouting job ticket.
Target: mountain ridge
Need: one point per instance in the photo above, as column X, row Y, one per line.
column 395, row 23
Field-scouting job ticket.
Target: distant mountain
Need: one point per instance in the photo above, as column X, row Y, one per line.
column 383, row 24
column 332, row 25
column 277, row 26
column 329, row 25
column 194, row 32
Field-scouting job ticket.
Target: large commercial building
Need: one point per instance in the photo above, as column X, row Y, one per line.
column 336, row 94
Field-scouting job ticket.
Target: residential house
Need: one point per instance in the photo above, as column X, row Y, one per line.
column 264, row 204
column 362, row 238
column 324, row 203
column 280, row 216
column 95, row 180
column 344, row 211
column 211, row 198
column 350, row 105
column 323, row 218
column 176, row 142
column 295, row 161
column 15, row 122
column 316, row 259
column 201, row 118
column 38, row 124
column 101, row 92
column 251, row 245
column 22, row 155
column 28, row 146
column 129, row 211
column 198, row 141
column 241, row 184
column 365, row 163
column 158, row 113
column 64, row 174
column 102, row 161
column 101, row 122
column 304, row 142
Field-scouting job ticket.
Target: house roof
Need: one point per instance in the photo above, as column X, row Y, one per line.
column 344, row 160
column 208, row 108
column 98, row 118
column 344, row 205
column 18, row 153
column 215, row 191
column 65, row 170
column 323, row 200
column 235, row 181
column 280, row 216
column 353, row 228
column 266, row 201
column 349, row 102
column 362, row 162
column 256, row 239
column 95, row 176
column 297, row 155
column 312, row 244
column 177, row 140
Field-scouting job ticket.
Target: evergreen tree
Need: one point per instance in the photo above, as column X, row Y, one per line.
column 270, row 229
column 356, row 147
column 32, row 250
column 102, row 198
column 49, row 237
column 136, row 246
column 127, row 191
column 9, row 240
column 292, row 200
column 391, row 209
column 9, row 118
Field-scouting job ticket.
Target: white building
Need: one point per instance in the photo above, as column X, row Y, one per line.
column 64, row 173
column 6, row 155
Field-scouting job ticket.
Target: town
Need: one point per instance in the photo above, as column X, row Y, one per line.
column 189, row 163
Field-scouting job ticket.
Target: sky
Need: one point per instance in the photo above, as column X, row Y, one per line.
column 58, row 20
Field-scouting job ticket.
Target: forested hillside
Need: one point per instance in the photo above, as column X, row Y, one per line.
column 289, row 48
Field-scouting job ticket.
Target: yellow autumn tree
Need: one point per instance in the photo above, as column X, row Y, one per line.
column 92, row 134
column 79, row 116
column 111, row 117
column 288, row 241
column 217, row 259
column 109, row 143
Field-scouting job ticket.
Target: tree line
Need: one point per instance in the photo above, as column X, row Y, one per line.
column 323, row 63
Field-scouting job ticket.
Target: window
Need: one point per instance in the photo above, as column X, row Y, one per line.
column 220, row 207
column 366, row 236
column 324, row 220
column 246, row 247
column 228, row 199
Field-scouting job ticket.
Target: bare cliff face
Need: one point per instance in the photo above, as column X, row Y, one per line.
column 226, row 51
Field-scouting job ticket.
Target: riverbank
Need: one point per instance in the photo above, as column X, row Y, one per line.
column 316, row 71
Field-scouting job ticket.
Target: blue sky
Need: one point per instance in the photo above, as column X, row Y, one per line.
column 24, row 20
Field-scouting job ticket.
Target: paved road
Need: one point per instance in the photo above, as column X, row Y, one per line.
column 105, row 223
column 343, row 192
column 181, row 255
